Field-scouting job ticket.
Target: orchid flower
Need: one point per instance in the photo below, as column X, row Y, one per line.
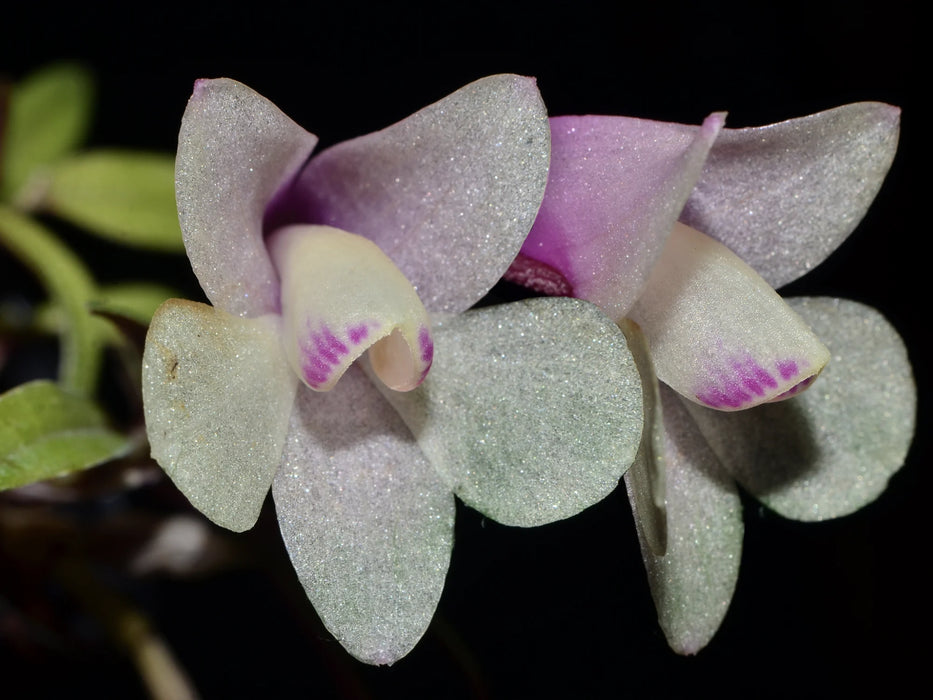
column 310, row 263
column 680, row 234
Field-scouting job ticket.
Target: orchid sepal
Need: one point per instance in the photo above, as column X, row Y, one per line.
column 784, row 196
column 236, row 149
column 205, row 373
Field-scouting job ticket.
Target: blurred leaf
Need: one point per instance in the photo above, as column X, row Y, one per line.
column 49, row 114
column 69, row 285
column 125, row 196
column 136, row 301
column 45, row 432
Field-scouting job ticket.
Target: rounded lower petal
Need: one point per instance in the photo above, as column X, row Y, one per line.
column 217, row 393
column 235, row 151
column 693, row 581
column 532, row 411
column 366, row 520
column 718, row 334
column 785, row 196
column 448, row 193
column 615, row 189
column 342, row 296
column 831, row 450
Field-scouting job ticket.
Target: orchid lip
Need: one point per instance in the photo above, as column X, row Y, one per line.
column 341, row 296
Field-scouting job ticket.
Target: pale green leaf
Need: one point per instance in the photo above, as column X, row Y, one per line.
column 49, row 114
column 125, row 196
column 69, row 285
column 46, row 431
column 136, row 301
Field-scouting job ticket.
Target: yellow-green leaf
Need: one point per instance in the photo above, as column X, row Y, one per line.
column 46, row 431
column 137, row 301
column 49, row 114
column 70, row 286
column 125, row 196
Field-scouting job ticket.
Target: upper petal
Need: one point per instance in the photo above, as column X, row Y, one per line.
column 217, row 393
column 235, row 150
column 693, row 581
column 718, row 334
column 832, row 449
column 366, row 520
column 615, row 188
column 532, row 411
column 448, row 193
column 784, row 196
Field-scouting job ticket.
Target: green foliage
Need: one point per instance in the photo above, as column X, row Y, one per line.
column 46, row 431
column 121, row 195
column 49, row 114
column 70, row 287
column 125, row 196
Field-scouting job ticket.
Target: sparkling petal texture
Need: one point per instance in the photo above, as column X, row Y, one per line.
column 692, row 584
column 784, row 196
column 832, row 449
column 469, row 170
column 341, row 296
column 217, row 394
column 718, row 333
column 532, row 411
column 367, row 522
column 647, row 479
column 235, row 150
column 615, row 188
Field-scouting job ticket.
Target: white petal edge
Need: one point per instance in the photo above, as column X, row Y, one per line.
column 532, row 410
column 366, row 520
column 693, row 583
column 832, row 449
column 217, row 393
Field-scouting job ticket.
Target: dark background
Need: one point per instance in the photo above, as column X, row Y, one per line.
column 562, row 610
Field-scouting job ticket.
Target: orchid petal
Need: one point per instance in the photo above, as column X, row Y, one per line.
column 647, row 482
column 448, row 193
column 341, row 296
column 718, row 333
column 205, row 372
column 615, row 189
column 367, row 522
column 831, row 450
column 235, row 151
column 532, row 411
column 785, row 196
column 692, row 584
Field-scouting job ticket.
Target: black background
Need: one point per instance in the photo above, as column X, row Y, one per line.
column 562, row 610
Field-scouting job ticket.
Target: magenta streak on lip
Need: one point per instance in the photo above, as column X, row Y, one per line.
column 796, row 389
column 323, row 351
column 427, row 350
column 732, row 389
column 357, row 333
column 787, row 368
